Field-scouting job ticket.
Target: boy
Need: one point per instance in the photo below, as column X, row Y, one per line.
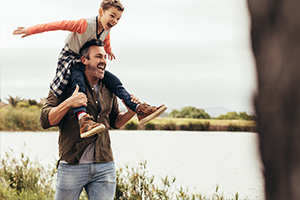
column 71, row 69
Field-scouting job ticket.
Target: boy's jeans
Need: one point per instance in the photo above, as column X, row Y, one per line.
column 98, row 179
column 112, row 82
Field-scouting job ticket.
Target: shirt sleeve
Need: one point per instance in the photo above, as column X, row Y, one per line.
column 77, row 26
column 107, row 46
column 51, row 102
column 114, row 114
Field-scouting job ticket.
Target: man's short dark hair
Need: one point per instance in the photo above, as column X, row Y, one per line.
column 85, row 48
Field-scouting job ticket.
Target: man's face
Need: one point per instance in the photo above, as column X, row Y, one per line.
column 110, row 17
column 96, row 64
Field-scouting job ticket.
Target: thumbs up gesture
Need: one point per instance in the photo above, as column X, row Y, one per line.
column 78, row 98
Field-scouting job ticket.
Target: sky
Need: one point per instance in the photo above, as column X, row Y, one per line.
column 180, row 53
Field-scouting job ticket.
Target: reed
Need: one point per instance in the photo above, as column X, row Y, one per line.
column 23, row 179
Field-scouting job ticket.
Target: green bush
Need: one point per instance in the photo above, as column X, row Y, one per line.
column 131, row 126
column 234, row 127
column 195, row 126
column 22, row 179
column 150, row 126
column 190, row 112
column 171, row 126
column 21, row 118
column 241, row 116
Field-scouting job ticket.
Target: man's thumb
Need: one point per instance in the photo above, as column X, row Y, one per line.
column 76, row 89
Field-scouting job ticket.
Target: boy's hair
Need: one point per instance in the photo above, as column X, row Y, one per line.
column 106, row 4
column 84, row 51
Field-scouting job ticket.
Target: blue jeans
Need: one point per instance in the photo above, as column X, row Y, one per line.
column 98, row 179
column 112, row 82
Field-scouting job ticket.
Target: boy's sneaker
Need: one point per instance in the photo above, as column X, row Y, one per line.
column 145, row 112
column 88, row 127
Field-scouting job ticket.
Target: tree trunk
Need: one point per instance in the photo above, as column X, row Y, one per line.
column 275, row 34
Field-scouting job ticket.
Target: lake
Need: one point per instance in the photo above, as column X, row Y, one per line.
column 198, row 160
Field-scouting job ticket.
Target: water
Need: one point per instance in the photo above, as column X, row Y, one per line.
column 198, row 160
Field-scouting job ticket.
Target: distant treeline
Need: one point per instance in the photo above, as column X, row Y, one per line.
column 23, row 115
column 197, row 113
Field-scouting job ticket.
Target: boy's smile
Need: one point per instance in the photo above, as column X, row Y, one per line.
column 109, row 18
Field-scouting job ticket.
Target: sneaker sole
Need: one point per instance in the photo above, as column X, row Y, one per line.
column 154, row 115
column 94, row 131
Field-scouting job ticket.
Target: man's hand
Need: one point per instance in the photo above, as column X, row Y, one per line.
column 77, row 99
column 57, row 113
column 21, row 31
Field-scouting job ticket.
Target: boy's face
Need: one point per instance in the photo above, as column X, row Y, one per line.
column 110, row 17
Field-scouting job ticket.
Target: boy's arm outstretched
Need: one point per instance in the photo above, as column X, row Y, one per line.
column 78, row 26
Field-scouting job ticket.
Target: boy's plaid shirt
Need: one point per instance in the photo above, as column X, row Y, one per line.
column 67, row 58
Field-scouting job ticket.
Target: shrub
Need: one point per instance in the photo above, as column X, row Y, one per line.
column 195, row 126
column 22, row 179
column 135, row 183
column 234, row 127
column 20, row 119
column 169, row 126
column 190, row 112
column 131, row 126
column 150, row 126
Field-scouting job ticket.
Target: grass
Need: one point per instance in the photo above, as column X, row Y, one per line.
column 186, row 121
column 27, row 119
column 20, row 178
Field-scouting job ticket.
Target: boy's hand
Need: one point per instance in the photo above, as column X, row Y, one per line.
column 134, row 99
column 111, row 56
column 21, row 31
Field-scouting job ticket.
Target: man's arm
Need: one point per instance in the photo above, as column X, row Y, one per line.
column 123, row 118
column 52, row 113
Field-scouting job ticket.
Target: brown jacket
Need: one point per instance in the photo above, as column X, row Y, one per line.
column 71, row 146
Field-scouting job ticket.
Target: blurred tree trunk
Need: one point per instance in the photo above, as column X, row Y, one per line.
column 275, row 36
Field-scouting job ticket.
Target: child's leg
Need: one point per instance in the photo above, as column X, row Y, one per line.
column 114, row 84
column 88, row 127
column 77, row 78
column 145, row 112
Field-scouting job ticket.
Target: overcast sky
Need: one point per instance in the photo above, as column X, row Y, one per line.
column 181, row 53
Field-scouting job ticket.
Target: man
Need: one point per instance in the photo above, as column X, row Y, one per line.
column 86, row 162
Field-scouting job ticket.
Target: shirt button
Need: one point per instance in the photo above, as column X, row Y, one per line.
column 96, row 101
column 93, row 88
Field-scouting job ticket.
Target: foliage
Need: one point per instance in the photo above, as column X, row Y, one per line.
column 190, row 112
column 171, row 126
column 135, row 183
column 195, row 126
column 235, row 127
column 13, row 101
column 150, row 126
column 21, row 118
column 235, row 115
column 131, row 126
column 23, row 179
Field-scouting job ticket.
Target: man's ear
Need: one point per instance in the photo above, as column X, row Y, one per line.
column 84, row 60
